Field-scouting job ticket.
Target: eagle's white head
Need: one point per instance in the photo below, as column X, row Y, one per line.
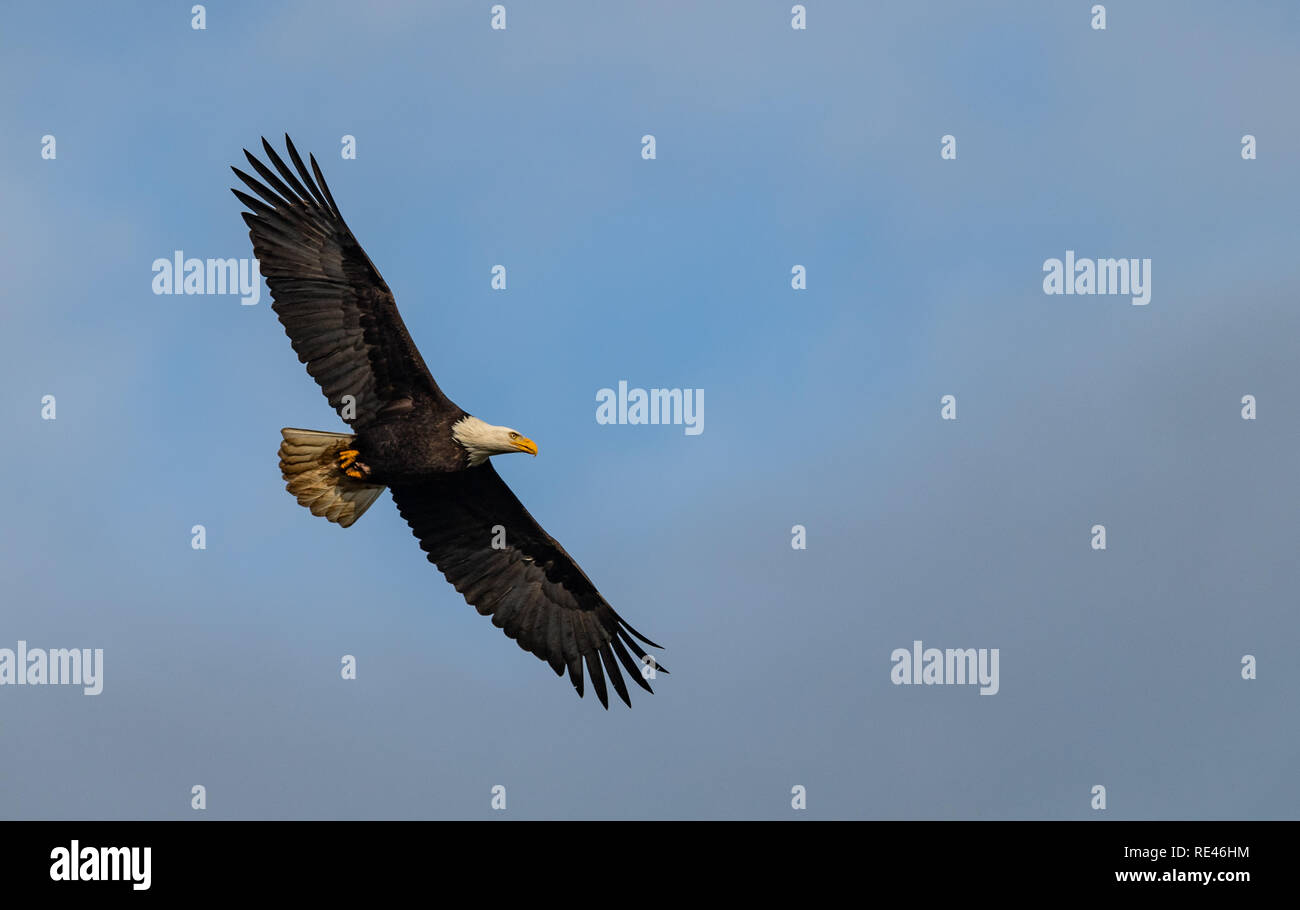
column 481, row 440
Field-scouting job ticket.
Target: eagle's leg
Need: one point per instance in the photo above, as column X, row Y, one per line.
column 348, row 464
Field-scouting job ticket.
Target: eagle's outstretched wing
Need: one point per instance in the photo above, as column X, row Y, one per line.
column 533, row 590
column 332, row 301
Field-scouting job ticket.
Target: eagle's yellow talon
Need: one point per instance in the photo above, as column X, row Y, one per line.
column 346, row 457
column 354, row 473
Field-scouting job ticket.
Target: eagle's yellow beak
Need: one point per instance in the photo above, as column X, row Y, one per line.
column 524, row 444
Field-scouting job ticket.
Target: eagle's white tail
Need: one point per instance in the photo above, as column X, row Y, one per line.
column 309, row 463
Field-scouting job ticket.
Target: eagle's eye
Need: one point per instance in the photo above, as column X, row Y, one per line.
column 514, row 435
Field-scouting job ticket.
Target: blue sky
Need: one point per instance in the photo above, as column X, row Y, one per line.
column 775, row 147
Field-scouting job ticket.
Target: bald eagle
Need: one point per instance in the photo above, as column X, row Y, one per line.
column 412, row 439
